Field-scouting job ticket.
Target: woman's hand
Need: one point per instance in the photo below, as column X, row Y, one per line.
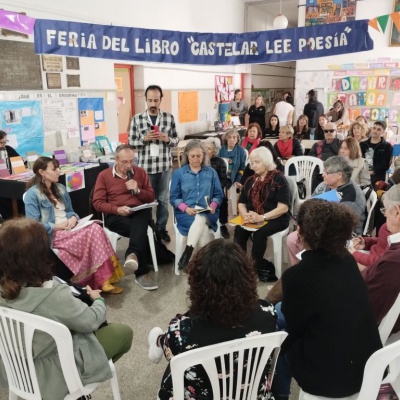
column 254, row 218
column 61, row 226
column 93, row 294
column 358, row 243
column 190, row 211
column 238, row 185
column 71, row 223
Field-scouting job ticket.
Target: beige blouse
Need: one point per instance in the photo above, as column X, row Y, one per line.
column 360, row 173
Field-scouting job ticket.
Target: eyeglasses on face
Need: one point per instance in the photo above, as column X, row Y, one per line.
column 329, row 172
column 329, row 130
column 383, row 210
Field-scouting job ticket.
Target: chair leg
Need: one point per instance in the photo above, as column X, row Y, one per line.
column 114, row 382
column 277, row 243
column 152, row 247
column 233, row 196
column 178, row 250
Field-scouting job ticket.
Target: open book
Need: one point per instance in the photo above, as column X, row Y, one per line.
column 143, row 206
column 82, row 223
column 199, row 209
column 248, row 226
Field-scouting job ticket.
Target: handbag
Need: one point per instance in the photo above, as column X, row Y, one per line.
column 301, row 188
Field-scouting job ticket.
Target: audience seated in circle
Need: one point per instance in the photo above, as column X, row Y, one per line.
column 332, row 329
column 265, row 197
column 190, row 184
column 337, row 176
column 87, row 252
column 26, row 285
column 224, row 306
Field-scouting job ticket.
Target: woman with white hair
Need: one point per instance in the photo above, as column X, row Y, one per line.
column 190, row 186
column 213, row 145
column 265, row 197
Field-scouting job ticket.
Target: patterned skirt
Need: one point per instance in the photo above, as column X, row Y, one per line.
column 89, row 255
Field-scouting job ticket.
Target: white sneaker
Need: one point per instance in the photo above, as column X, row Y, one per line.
column 155, row 353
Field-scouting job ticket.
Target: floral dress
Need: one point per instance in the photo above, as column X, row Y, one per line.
column 186, row 332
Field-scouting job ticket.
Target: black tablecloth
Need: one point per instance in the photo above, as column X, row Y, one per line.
column 201, row 135
column 80, row 198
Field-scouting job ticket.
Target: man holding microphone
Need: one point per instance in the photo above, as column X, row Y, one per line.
column 153, row 135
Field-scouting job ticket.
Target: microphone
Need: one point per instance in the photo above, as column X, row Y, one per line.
column 129, row 176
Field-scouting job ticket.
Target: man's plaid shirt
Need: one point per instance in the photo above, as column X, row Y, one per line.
column 140, row 125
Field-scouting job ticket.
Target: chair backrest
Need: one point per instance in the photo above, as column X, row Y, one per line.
column 305, row 166
column 294, row 195
column 388, row 322
column 226, row 164
column 16, row 334
column 251, row 353
column 375, row 368
column 370, row 204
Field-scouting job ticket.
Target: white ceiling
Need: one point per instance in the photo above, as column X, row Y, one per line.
column 289, row 8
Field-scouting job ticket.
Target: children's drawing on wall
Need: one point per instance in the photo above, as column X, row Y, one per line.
column 224, row 90
column 395, row 33
column 320, row 12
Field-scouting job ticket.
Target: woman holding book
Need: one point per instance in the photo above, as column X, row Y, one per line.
column 264, row 201
column 195, row 195
column 87, row 252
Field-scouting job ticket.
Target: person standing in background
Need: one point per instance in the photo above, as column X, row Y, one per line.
column 3, row 145
column 257, row 112
column 284, row 110
column 238, row 106
column 313, row 109
column 153, row 135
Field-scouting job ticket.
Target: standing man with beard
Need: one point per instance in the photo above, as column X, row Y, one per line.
column 153, row 135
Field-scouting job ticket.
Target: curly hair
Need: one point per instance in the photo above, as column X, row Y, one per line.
column 24, row 249
column 326, row 225
column 222, row 284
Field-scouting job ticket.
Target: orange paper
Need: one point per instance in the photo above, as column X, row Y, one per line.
column 100, row 128
column 87, row 117
column 188, row 106
column 17, row 164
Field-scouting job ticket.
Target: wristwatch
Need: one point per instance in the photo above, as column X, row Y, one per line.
column 264, row 217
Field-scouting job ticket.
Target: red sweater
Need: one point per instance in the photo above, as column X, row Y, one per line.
column 376, row 246
column 383, row 283
column 110, row 191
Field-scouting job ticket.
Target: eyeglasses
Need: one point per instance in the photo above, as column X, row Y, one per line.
column 329, row 173
column 3, row 142
column 383, row 210
column 329, row 130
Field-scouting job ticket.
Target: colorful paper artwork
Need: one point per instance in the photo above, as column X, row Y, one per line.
column 345, row 82
column 75, row 180
column 354, row 113
column 377, row 82
column 224, row 90
column 394, row 83
column 375, row 98
column 320, row 12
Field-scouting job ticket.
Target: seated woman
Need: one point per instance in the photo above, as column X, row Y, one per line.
column 224, row 306
column 272, row 130
column 190, row 184
column 337, row 176
column 301, row 130
column 265, row 197
column 257, row 112
column 357, row 131
column 252, row 137
column 319, row 130
column 351, row 150
column 331, row 326
column 368, row 250
column 287, row 146
column 87, row 252
column 339, row 114
column 26, row 285
column 363, row 121
column 213, row 145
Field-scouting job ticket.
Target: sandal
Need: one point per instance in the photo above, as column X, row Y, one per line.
column 110, row 289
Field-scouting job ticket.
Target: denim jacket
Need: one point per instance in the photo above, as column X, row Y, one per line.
column 40, row 208
column 190, row 188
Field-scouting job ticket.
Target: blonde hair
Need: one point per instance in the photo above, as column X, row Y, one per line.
column 265, row 156
column 288, row 129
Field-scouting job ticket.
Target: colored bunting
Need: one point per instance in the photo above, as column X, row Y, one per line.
column 383, row 20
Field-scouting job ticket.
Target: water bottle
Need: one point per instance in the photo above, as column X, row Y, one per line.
column 4, row 156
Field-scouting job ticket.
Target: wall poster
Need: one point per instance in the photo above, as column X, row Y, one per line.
column 319, row 12
column 395, row 33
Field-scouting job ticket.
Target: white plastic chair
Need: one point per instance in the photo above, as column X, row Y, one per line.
column 371, row 202
column 113, row 237
column 388, row 322
column 305, row 166
column 252, row 352
column 16, row 334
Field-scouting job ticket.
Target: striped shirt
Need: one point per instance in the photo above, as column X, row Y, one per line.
column 141, row 124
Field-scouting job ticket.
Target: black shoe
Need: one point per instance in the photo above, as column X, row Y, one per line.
column 185, row 257
column 224, row 232
column 164, row 236
column 266, row 271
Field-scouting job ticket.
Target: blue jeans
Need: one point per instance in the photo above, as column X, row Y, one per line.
column 160, row 183
column 283, row 373
column 312, row 130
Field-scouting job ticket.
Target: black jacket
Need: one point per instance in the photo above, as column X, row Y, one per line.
column 382, row 155
column 313, row 111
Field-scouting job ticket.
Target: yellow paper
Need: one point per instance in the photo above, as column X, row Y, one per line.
column 240, row 221
column 100, row 128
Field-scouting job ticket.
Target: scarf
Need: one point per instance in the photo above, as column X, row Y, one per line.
column 285, row 148
column 259, row 191
column 254, row 143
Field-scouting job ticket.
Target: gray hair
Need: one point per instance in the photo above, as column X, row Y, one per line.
column 122, row 147
column 195, row 144
column 230, row 133
column 392, row 196
column 215, row 142
column 339, row 164
column 265, row 156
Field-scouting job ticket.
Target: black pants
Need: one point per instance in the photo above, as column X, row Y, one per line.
column 260, row 237
column 133, row 226
column 59, row 268
column 223, row 211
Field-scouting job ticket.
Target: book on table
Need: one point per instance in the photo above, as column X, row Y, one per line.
column 143, row 206
column 199, row 209
column 239, row 220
